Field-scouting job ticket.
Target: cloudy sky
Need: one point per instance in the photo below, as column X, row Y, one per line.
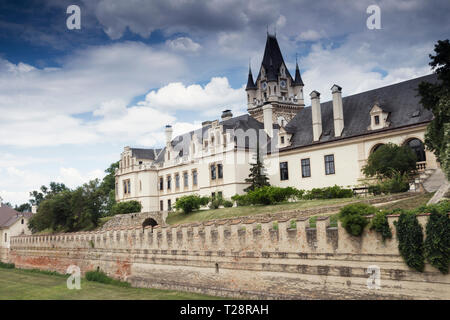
column 70, row 100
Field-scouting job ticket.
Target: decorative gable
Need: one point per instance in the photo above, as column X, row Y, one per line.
column 378, row 118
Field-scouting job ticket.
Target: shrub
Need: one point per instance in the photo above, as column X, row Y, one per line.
column 380, row 224
column 437, row 242
column 353, row 217
column 328, row 193
column 374, row 189
column 7, row 265
column 126, row 207
column 190, row 203
column 275, row 225
column 270, row 195
column 398, row 183
column 215, row 203
column 100, row 276
column 241, row 200
column 227, row 204
column 410, row 240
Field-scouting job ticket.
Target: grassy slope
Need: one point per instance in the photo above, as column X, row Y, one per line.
column 18, row 284
column 204, row 215
column 408, row 204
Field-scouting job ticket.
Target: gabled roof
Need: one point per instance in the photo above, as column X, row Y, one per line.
column 149, row 154
column 400, row 100
column 9, row 216
column 272, row 59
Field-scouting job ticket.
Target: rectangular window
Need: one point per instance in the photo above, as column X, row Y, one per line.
column 213, row 195
column 284, row 175
column 329, row 164
column 161, row 205
column 220, row 171
column 169, row 182
column 177, row 180
column 306, row 168
column 6, row 237
column 161, row 184
column 377, row 119
column 213, row 171
column 126, row 186
column 194, row 177
column 140, row 185
column 169, row 204
column 220, row 195
column 282, row 140
column 185, row 179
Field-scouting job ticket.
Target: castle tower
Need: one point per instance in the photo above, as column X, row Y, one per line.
column 274, row 85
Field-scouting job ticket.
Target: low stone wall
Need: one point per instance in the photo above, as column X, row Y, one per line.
column 240, row 259
column 135, row 219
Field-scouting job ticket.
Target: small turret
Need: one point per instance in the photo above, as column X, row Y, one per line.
column 298, row 78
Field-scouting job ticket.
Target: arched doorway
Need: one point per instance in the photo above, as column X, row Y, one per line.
column 417, row 146
column 149, row 222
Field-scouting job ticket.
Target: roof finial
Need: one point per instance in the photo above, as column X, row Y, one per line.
column 275, row 30
column 296, row 58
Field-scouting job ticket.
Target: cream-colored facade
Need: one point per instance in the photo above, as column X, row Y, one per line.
column 323, row 145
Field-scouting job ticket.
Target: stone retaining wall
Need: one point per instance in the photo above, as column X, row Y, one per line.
column 240, row 258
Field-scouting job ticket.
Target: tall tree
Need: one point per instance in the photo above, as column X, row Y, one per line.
column 436, row 97
column 257, row 178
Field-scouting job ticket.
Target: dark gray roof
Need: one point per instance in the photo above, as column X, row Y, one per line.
column 272, row 60
column 8, row 216
column 150, row 154
column 250, row 83
column 400, row 100
column 298, row 78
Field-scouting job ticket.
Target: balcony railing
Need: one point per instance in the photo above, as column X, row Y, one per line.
column 421, row 166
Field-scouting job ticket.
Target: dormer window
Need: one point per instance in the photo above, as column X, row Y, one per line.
column 377, row 119
column 282, row 140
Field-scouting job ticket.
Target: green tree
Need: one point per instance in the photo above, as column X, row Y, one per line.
column 436, row 97
column 257, row 178
column 108, row 187
column 24, row 207
column 390, row 159
column 126, row 207
column 437, row 242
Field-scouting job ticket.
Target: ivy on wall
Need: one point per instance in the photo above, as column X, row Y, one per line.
column 380, row 224
column 410, row 240
column 437, row 242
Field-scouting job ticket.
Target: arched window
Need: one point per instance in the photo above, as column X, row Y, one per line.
column 375, row 148
column 417, row 146
column 149, row 222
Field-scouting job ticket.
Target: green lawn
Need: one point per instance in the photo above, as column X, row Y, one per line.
column 204, row 215
column 16, row 284
column 409, row 204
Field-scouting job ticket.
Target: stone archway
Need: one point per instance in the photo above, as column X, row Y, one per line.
column 149, row 222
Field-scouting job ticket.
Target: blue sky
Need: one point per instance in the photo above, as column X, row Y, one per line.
column 70, row 100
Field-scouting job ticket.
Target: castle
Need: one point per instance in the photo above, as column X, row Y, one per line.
column 305, row 147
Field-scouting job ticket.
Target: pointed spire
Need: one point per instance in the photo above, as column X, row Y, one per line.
column 298, row 78
column 250, row 83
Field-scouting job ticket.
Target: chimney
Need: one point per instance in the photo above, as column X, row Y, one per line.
column 226, row 114
column 316, row 115
column 268, row 122
column 338, row 111
column 168, row 132
column 34, row 209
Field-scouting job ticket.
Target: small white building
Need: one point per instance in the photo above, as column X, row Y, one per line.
column 322, row 145
column 12, row 223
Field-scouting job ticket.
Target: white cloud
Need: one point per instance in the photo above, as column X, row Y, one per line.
column 310, row 35
column 207, row 100
column 72, row 178
column 183, row 44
